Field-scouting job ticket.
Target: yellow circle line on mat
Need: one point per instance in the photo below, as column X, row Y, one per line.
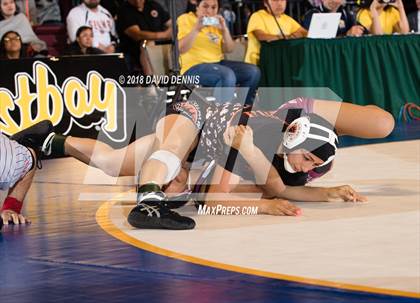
column 102, row 218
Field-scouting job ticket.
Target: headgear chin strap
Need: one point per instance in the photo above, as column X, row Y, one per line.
column 312, row 136
column 287, row 165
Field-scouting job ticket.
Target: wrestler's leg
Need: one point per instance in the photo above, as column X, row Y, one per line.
column 175, row 134
column 368, row 121
column 114, row 162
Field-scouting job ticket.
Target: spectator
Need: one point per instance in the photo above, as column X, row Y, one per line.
column 91, row 14
column 12, row 20
column 263, row 26
column 137, row 21
column 11, row 46
column 347, row 26
column 414, row 19
column 202, row 49
column 84, row 43
column 383, row 19
column 48, row 11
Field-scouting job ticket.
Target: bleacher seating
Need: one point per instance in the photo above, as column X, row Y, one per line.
column 55, row 35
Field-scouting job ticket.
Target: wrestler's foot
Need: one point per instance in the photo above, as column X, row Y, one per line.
column 178, row 200
column 152, row 212
column 34, row 136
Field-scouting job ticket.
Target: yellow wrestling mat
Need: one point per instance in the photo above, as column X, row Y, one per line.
column 372, row 246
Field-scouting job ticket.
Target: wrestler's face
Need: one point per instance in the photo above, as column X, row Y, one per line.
column 177, row 185
column 303, row 161
column 278, row 6
column 207, row 8
column 418, row 4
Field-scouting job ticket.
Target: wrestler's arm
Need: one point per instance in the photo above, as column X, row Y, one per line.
column 266, row 176
column 224, row 191
column 17, row 194
column 223, row 181
column 308, row 193
column 275, row 207
column 317, row 194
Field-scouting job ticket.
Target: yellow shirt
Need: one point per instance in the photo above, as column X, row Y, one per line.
column 264, row 21
column 207, row 47
column 388, row 19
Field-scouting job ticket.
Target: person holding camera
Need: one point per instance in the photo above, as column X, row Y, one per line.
column 203, row 39
column 384, row 17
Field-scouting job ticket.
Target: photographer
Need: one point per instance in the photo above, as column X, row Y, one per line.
column 203, row 39
column 384, row 17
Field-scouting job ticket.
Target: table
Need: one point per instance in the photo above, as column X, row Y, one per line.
column 381, row 70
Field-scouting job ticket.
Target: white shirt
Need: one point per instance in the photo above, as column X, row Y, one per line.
column 7, row 161
column 100, row 21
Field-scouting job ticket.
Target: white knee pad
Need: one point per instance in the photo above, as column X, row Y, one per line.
column 172, row 162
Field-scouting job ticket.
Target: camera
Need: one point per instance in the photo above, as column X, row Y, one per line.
column 210, row 21
column 386, row 1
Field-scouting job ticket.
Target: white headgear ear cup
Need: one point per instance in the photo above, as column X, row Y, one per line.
column 297, row 132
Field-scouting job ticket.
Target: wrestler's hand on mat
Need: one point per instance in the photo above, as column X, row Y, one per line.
column 240, row 137
column 345, row 193
column 279, row 207
column 11, row 216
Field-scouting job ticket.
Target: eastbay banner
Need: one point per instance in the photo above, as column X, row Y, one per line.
column 82, row 97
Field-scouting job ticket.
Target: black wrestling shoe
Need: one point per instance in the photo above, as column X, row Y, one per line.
column 152, row 212
column 34, row 136
column 178, row 201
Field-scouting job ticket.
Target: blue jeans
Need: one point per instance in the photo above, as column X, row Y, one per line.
column 225, row 75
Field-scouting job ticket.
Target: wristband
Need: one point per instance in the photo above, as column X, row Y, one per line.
column 12, row 204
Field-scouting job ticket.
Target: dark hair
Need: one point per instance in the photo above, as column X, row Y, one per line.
column 3, row 54
column 199, row 1
column 81, row 29
column 366, row 4
column 16, row 12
